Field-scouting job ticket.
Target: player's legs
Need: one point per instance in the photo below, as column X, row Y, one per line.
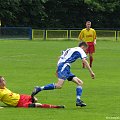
column 25, row 100
column 28, row 101
column 79, row 83
column 62, row 73
column 37, row 89
column 34, row 100
column 39, row 105
column 59, row 84
column 91, row 51
column 78, row 88
column 91, row 59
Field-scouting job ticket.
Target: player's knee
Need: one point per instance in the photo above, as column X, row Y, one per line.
column 80, row 82
column 35, row 99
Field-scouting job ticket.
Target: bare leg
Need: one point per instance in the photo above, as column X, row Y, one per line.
column 59, row 84
column 77, row 81
column 91, row 59
column 39, row 105
column 78, row 91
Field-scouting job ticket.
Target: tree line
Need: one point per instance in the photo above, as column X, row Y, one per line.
column 60, row 13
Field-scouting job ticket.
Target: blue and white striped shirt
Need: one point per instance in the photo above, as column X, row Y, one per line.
column 71, row 55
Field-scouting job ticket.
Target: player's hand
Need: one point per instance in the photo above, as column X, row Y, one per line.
column 92, row 75
column 94, row 42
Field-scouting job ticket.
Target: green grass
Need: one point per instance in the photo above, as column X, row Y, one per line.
column 26, row 64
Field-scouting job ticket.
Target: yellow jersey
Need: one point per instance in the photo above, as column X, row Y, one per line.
column 87, row 35
column 8, row 97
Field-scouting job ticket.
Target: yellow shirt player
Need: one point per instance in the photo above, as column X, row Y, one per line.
column 8, row 97
column 88, row 35
column 20, row 100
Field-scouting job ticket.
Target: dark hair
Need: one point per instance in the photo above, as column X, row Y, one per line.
column 88, row 21
column 82, row 44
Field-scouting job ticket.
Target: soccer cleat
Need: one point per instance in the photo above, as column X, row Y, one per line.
column 60, row 106
column 80, row 103
column 36, row 90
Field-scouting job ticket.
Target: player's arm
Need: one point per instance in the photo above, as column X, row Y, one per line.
column 94, row 37
column 80, row 37
column 88, row 67
column 95, row 41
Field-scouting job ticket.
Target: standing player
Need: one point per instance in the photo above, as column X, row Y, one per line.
column 89, row 35
column 63, row 71
column 17, row 100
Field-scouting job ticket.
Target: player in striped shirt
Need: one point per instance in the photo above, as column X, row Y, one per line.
column 88, row 35
column 63, row 71
column 20, row 100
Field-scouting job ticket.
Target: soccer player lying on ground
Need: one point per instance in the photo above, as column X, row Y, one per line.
column 63, row 71
column 19, row 100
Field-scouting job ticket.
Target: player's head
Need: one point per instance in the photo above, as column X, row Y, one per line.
column 2, row 82
column 83, row 45
column 88, row 24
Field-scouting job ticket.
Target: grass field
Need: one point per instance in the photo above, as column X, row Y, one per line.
column 26, row 64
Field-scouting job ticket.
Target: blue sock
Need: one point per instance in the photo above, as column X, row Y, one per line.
column 78, row 93
column 48, row 87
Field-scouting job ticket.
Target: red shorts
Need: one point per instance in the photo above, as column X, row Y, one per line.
column 24, row 101
column 91, row 47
